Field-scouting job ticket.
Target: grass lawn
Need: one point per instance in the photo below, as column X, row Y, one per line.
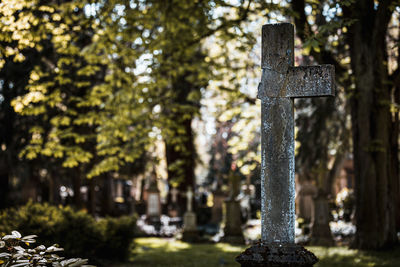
column 156, row 252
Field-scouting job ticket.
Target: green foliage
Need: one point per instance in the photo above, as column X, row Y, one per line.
column 117, row 236
column 333, row 28
column 111, row 77
column 15, row 251
column 78, row 232
column 80, row 93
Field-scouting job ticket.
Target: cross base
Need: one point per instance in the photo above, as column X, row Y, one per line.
column 276, row 255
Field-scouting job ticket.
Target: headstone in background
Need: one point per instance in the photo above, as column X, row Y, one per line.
column 217, row 208
column 321, row 234
column 203, row 211
column 305, row 197
column 245, row 199
column 233, row 232
column 153, row 202
column 189, row 233
column 305, row 205
column 173, row 209
column 141, row 196
column 281, row 82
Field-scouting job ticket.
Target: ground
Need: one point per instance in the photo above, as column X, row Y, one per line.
column 157, row 252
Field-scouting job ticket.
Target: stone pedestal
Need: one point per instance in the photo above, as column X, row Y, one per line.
column 276, row 254
column 233, row 223
column 190, row 233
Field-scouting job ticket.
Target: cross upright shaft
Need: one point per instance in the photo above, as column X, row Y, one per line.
column 282, row 82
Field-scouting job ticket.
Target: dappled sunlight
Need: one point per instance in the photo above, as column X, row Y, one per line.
column 343, row 256
column 332, row 251
column 228, row 247
column 170, row 252
column 167, row 245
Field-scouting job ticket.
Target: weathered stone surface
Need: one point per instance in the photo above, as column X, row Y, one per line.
column 298, row 82
column 277, row 47
column 277, row 170
column 311, row 81
column 281, row 82
column 276, row 254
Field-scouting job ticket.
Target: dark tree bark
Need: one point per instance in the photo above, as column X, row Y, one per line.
column 107, row 195
column 76, row 186
column 91, row 205
column 4, row 188
column 395, row 139
column 374, row 130
column 395, row 156
column 54, row 187
column 372, row 127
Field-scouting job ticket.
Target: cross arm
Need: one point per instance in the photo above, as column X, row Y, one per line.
column 296, row 82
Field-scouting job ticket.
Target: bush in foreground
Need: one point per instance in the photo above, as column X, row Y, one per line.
column 76, row 231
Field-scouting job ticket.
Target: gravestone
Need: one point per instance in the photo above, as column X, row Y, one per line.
column 281, row 82
column 321, row 234
column 305, row 197
column 173, row 209
column 153, row 210
column 233, row 232
column 190, row 233
column 216, row 211
column 245, row 202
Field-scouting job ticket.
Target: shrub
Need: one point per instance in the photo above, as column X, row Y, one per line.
column 117, row 236
column 78, row 232
column 15, row 251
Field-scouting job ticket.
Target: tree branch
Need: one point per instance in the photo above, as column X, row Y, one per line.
column 304, row 31
column 224, row 25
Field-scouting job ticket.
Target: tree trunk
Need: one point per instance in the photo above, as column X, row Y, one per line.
column 179, row 142
column 107, row 192
column 54, row 189
column 91, row 205
column 4, row 188
column 395, row 157
column 372, row 129
column 395, row 141
column 181, row 161
column 76, row 185
column 321, row 234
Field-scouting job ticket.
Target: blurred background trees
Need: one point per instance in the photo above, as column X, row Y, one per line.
column 99, row 95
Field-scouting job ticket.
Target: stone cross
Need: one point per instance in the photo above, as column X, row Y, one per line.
column 174, row 194
column 282, row 82
column 189, row 196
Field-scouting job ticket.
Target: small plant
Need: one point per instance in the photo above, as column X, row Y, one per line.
column 15, row 252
